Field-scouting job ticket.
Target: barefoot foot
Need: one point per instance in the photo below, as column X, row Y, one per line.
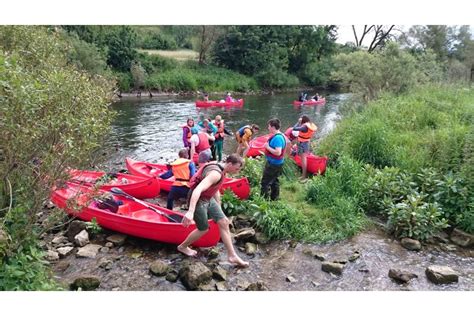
column 235, row 260
column 187, row 251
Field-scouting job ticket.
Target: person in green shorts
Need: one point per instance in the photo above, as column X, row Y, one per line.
column 205, row 202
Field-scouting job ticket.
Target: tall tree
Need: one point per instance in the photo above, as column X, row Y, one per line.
column 207, row 36
column 378, row 36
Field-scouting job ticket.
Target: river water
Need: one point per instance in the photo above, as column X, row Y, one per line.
column 150, row 129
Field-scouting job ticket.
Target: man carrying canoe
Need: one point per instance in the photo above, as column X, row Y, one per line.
column 306, row 130
column 182, row 169
column 205, row 201
column 243, row 136
column 275, row 156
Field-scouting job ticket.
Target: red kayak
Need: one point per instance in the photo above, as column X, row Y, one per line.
column 240, row 187
column 139, row 187
column 132, row 218
column 321, row 101
column 316, row 164
column 204, row 104
column 256, row 146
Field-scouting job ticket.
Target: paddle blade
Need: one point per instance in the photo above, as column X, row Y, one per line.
column 117, row 191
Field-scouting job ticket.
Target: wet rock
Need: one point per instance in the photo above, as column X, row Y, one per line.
column 64, row 251
column 194, row 274
column 441, row 274
column 172, row 276
column 448, row 247
column 261, row 238
column 250, row 248
column 290, row 278
column 85, row 283
column 213, row 253
column 88, row 251
column 219, row 273
column 244, row 234
column 342, row 261
column 354, row 256
column 104, row 249
column 105, row 263
column 109, row 244
column 159, row 268
column 401, row 276
column 52, row 255
column 82, row 238
column 210, row 286
column 117, row 239
column 257, row 286
column 61, row 266
column 462, row 238
column 221, row 286
column 411, row 244
column 332, row 267
column 441, row 237
column 75, row 228
column 59, row 240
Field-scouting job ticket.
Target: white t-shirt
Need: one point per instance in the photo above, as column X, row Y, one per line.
column 194, row 140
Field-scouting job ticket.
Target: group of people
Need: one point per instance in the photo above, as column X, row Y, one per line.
column 201, row 184
column 303, row 97
column 227, row 99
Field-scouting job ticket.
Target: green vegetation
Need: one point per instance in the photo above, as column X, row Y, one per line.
column 54, row 115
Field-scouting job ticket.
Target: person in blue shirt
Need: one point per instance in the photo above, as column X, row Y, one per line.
column 182, row 169
column 274, row 154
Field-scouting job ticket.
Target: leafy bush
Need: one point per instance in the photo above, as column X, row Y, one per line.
column 415, row 218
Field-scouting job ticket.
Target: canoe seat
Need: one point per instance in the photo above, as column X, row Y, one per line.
column 148, row 215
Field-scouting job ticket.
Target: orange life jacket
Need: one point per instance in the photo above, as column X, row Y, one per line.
column 203, row 143
column 306, row 136
column 180, row 168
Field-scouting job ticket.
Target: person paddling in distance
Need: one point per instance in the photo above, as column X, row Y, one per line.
column 182, row 169
column 205, row 201
column 306, row 130
column 275, row 156
column 243, row 136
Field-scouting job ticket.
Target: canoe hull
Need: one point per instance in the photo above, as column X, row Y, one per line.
column 319, row 102
column 205, row 104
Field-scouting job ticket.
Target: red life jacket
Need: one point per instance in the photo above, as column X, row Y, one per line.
column 203, row 143
column 220, row 129
column 198, row 177
column 282, row 154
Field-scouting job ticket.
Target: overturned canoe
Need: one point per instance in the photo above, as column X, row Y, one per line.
column 204, row 104
column 137, row 186
column 240, row 186
column 132, row 218
column 257, row 146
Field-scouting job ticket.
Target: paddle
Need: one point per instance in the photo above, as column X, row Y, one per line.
column 118, row 191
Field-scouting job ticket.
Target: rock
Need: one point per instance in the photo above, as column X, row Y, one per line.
column 82, row 238
column 261, row 238
column 290, row 278
column 441, row 237
column 342, row 261
column 319, row 256
column 219, row 273
column 354, row 256
column 332, row 267
column 257, row 286
column 52, row 255
column 401, row 276
column 159, row 268
column 172, row 276
column 59, row 240
column 250, row 248
column 194, row 274
column 441, row 274
column 109, row 244
column 210, row 286
column 104, row 249
column 213, row 253
column 221, row 286
column 461, row 238
column 88, row 251
column 117, row 239
column 245, row 234
column 85, row 283
column 411, row 244
column 61, row 266
column 105, row 263
column 75, row 228
column 64, row 251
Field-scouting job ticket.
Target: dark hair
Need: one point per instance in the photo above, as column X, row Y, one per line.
column 255, row 127
column 234, row 159
column 183, row 153
column 305, row 119
column 190, row 119
column 274, row 122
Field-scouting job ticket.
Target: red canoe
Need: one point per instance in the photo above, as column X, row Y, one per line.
column 131, row 218
column 139, row 187
column 240, row 187
column 321, row 101
column 256, row 146
column 316, row 164
column 204, row 104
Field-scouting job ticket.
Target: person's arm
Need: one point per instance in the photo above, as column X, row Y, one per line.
column 166, row 175
column 211, row 137
column 192, row 168
column 278, row 147
column 193, row 150
column 302, row 128
column 212, row 178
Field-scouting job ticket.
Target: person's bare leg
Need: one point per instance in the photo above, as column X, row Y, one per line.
column 239, row 148
column 304, row 165
column 192, row 237
column 227, row 240
column 246, row 149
